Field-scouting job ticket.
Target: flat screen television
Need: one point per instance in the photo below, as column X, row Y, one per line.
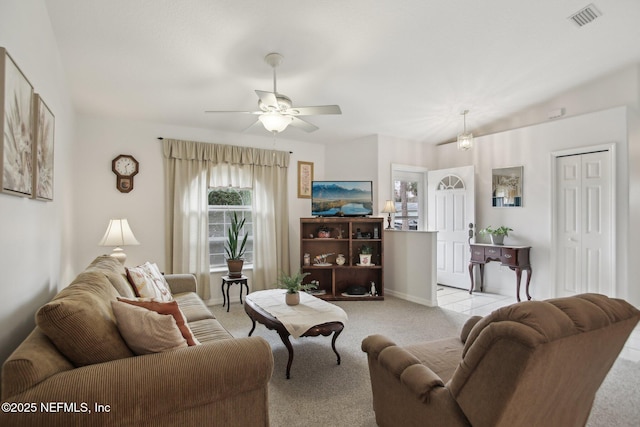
column 341, row 198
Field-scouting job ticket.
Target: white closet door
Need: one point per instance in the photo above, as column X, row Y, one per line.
column 584, row 224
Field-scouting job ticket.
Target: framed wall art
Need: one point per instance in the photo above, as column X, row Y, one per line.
column 305, row 176
column 44, row 127
column 16, row 143
column 506, row 188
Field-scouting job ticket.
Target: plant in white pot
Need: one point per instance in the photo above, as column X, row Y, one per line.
column 497, row 235
column 234, row 247
column 365, row 254
column 293, row 285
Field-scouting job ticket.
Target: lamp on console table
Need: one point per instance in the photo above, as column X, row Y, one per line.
column 389, row 208
column 118, row 234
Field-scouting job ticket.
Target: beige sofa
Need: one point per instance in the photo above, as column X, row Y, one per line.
column 76, row 369
column 534, row 363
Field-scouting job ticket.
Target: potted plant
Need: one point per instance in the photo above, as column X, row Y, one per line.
column 234, row 247
column 497, row 235
column 293, row 285
column 365, row 254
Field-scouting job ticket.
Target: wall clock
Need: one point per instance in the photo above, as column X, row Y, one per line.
column 125, row 167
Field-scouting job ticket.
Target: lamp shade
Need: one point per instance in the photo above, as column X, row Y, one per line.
column 275, row 122
column 389, row 207
column 118, row 234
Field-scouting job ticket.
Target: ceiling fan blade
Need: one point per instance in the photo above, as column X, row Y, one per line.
column 241, row 112
column 253, row 125
column 302, row 124
column 312, row 111
column 268, row 98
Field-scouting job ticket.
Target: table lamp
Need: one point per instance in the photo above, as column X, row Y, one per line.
column 389, row 208
column 118, row 234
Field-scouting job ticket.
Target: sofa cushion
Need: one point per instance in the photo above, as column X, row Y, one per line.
column 115, row 272
column 148, row 282
column 80, row 322
column 166, row 308
column 193, row 307
column 208, row 330
column 147, row 331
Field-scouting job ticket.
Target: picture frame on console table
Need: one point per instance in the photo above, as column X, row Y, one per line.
column 305, row 177
column 16, row 136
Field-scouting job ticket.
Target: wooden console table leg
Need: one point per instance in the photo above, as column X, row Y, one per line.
column 333, row 344
column 518, row 278
column 284, row 336
column 528, row 270
column 471, row 276
column 481, row 277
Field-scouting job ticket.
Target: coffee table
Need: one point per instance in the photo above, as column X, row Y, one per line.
column 261, row 315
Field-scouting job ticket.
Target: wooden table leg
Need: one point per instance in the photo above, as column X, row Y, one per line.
column 528, row 270
column 471, row 276
column 518, row 279
column 333, row 344
column 224, row 299
column 284, row 336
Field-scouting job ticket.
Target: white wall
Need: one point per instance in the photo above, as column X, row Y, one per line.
column 99, row 140
column 35, row 236
column 532, row 146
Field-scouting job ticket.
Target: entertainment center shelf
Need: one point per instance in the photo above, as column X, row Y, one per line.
column 346, row 236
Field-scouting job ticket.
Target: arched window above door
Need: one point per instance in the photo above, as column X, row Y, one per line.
column 451, row 182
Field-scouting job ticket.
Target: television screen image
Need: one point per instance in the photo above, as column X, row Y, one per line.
column 341, row 198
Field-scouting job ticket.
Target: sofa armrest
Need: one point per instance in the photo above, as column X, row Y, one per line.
column 180, row 283
column 154, row 388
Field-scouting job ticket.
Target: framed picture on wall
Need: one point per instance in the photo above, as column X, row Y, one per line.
column 16, row 139
column 506, row 188
column 305, row 176
column 44, row 125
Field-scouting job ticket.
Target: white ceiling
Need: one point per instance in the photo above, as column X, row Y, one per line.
column 399, row 68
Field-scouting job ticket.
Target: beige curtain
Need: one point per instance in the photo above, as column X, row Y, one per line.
column 191, row 168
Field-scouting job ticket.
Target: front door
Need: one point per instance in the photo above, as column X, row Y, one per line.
column 450, row 210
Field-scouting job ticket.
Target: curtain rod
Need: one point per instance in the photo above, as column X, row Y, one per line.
column 161, row 138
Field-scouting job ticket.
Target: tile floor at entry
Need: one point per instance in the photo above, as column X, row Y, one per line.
column 483, row 303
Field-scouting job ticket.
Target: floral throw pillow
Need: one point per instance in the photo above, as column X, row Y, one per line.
column 148, row 282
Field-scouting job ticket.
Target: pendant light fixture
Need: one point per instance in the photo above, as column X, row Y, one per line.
column 465, row 140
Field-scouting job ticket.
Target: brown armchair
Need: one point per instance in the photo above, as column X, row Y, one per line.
column 531, row 363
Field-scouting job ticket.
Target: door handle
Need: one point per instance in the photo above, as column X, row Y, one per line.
column 571, row 239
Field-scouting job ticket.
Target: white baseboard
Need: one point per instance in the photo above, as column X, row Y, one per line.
column 417, row 300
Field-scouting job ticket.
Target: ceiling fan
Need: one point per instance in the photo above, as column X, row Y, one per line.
column 276, row 110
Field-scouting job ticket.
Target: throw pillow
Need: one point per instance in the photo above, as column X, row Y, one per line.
column 148, row 282
column 167, row 308
column 146, row 331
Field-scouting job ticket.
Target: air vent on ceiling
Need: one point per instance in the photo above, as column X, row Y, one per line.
column 585, row 15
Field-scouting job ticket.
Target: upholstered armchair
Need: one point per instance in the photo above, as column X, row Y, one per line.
column 534, row 363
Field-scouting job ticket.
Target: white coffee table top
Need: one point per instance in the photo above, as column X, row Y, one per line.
column 297, row 319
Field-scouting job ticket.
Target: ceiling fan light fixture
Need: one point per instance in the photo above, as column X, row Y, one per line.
column 465, row 140
column 275, row 122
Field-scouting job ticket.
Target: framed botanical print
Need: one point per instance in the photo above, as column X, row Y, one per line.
column 305, row 176
column 44, row 126
column 16, row 147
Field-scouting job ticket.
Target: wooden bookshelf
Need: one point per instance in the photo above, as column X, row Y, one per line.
column 346, row 236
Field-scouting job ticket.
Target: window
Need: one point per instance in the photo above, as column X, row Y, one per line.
column 223, row 202
column 409, row 196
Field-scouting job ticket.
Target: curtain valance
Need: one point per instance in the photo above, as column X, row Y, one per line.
column 221, row 153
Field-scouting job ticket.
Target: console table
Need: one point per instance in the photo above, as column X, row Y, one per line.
column 514, row 257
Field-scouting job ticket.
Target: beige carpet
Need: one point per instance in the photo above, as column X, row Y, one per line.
column 322, row 393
